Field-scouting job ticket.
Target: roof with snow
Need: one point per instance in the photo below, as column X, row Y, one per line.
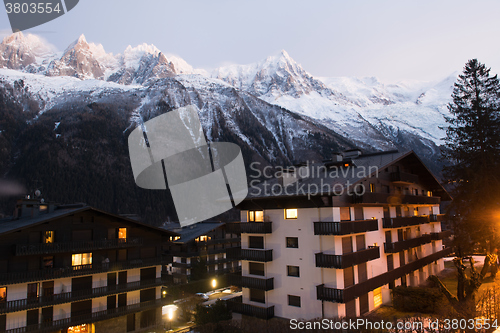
column 191, row 232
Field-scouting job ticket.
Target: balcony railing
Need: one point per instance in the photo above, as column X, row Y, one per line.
column 407, row 244
column 256, row 227
column 345, row 228
column 251, row 310
column 55, row 273
column 345, row 295
column 404, row 177
column 233, row 227
column 265, row 284
column 347, row 260
column 437, row 217
column 386, row 198
column 441, row 235
column 257, row 255
column 398, row 222
column 90, row 317
column 49, row 300
column 223, row 240
column 29, row 249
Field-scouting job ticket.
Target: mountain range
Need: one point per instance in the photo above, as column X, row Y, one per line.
column 274, row 110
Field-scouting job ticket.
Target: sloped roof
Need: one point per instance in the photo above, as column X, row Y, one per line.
column 321, row 180
column 10, row 224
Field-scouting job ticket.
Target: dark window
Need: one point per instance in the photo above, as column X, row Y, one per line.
column 292, row 242
column 294, row 300
column 131, row 322
column 48, row 290
column 402, row 260
column 33, row 290
column 363, row 304
column 148, row 274
column 360, row 242
column 256, row 242
column 257, row 295
column 256, row 268
column 3, row 323
column 350, row 309
column 358, row 213
column 148, row 318
column 47, row 314
column 122, row 300
column 122, row 255
column 348, row 276
column 83, row 284
column 81, row 308
column 112, row 281
column 346, row 245
column 293, row 271
column 32, row 317
column 362, row 272
column 390, row 262
column 122, row 278
column 48, row 262
column 148, row 295
column 111, row 302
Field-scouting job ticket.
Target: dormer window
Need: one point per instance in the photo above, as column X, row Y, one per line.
column 256, row 216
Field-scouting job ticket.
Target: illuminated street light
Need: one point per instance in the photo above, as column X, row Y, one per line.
column 214, row 283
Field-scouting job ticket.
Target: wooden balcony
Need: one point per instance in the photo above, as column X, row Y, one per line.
column 441, row 235
column 347, row 260
column 250, row 310
column 256, row 227
column 345, row 295
column 56, row 273
column 50, row 300
column 345, row 228
column 63, row 324
column 398, row 222
column 387, row 198
column 407, row 244
column 403, row 177
column 265, row 284
column 257, row 255
column 30, row 249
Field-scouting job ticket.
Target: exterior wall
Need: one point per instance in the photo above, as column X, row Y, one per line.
column 309, row 244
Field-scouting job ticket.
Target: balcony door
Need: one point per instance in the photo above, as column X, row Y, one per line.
column 347, row 245
column 360, row 242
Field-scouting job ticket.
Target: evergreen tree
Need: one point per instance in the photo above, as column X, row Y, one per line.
column 473, row 148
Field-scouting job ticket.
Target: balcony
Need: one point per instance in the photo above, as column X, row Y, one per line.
column 256, row 227
column 437, row 217
column 250, row 310
column 257, row 255
column 29, row 249
column 407, row 244
column 403, row 177
column 62, row 324
column 398, row 222
column 345, row 295
column 345, row 228
column 252, row 282
column 386, row 198
column 222, row 241
column 56, row 273
column 49, row 300
column 347, row 260
column 441, row 235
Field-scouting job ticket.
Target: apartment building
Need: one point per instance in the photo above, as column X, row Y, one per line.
column 74, row 268
column 331, row 239
column 204, row 244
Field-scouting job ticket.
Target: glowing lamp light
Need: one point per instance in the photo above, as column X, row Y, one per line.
column 214, row 283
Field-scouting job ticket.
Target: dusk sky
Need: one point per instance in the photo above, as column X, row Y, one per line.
column 392, row 40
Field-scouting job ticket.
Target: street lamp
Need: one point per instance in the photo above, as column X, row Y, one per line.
column 214, row 283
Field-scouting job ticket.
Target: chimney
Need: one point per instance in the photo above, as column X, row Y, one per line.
column 337, row 157
column 352, row 153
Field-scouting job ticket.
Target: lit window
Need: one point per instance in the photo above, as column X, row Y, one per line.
column 429, row 193
column 43, row 208
column 201, row 239
column 122, row 233
column 415, row 211
column 83, row 328
column 372, row 187
column 255, row 216
column 291, row 213
column 3, row 294
column 79, row 259
column 377, row 297
column 48, row 237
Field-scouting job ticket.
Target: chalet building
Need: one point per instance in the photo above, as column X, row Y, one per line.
column 204, row 244
column 74, row 268
column 331, row 239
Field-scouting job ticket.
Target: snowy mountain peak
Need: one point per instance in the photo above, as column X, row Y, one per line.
column 19, row 51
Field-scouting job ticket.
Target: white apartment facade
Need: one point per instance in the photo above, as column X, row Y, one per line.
column 332, row 256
